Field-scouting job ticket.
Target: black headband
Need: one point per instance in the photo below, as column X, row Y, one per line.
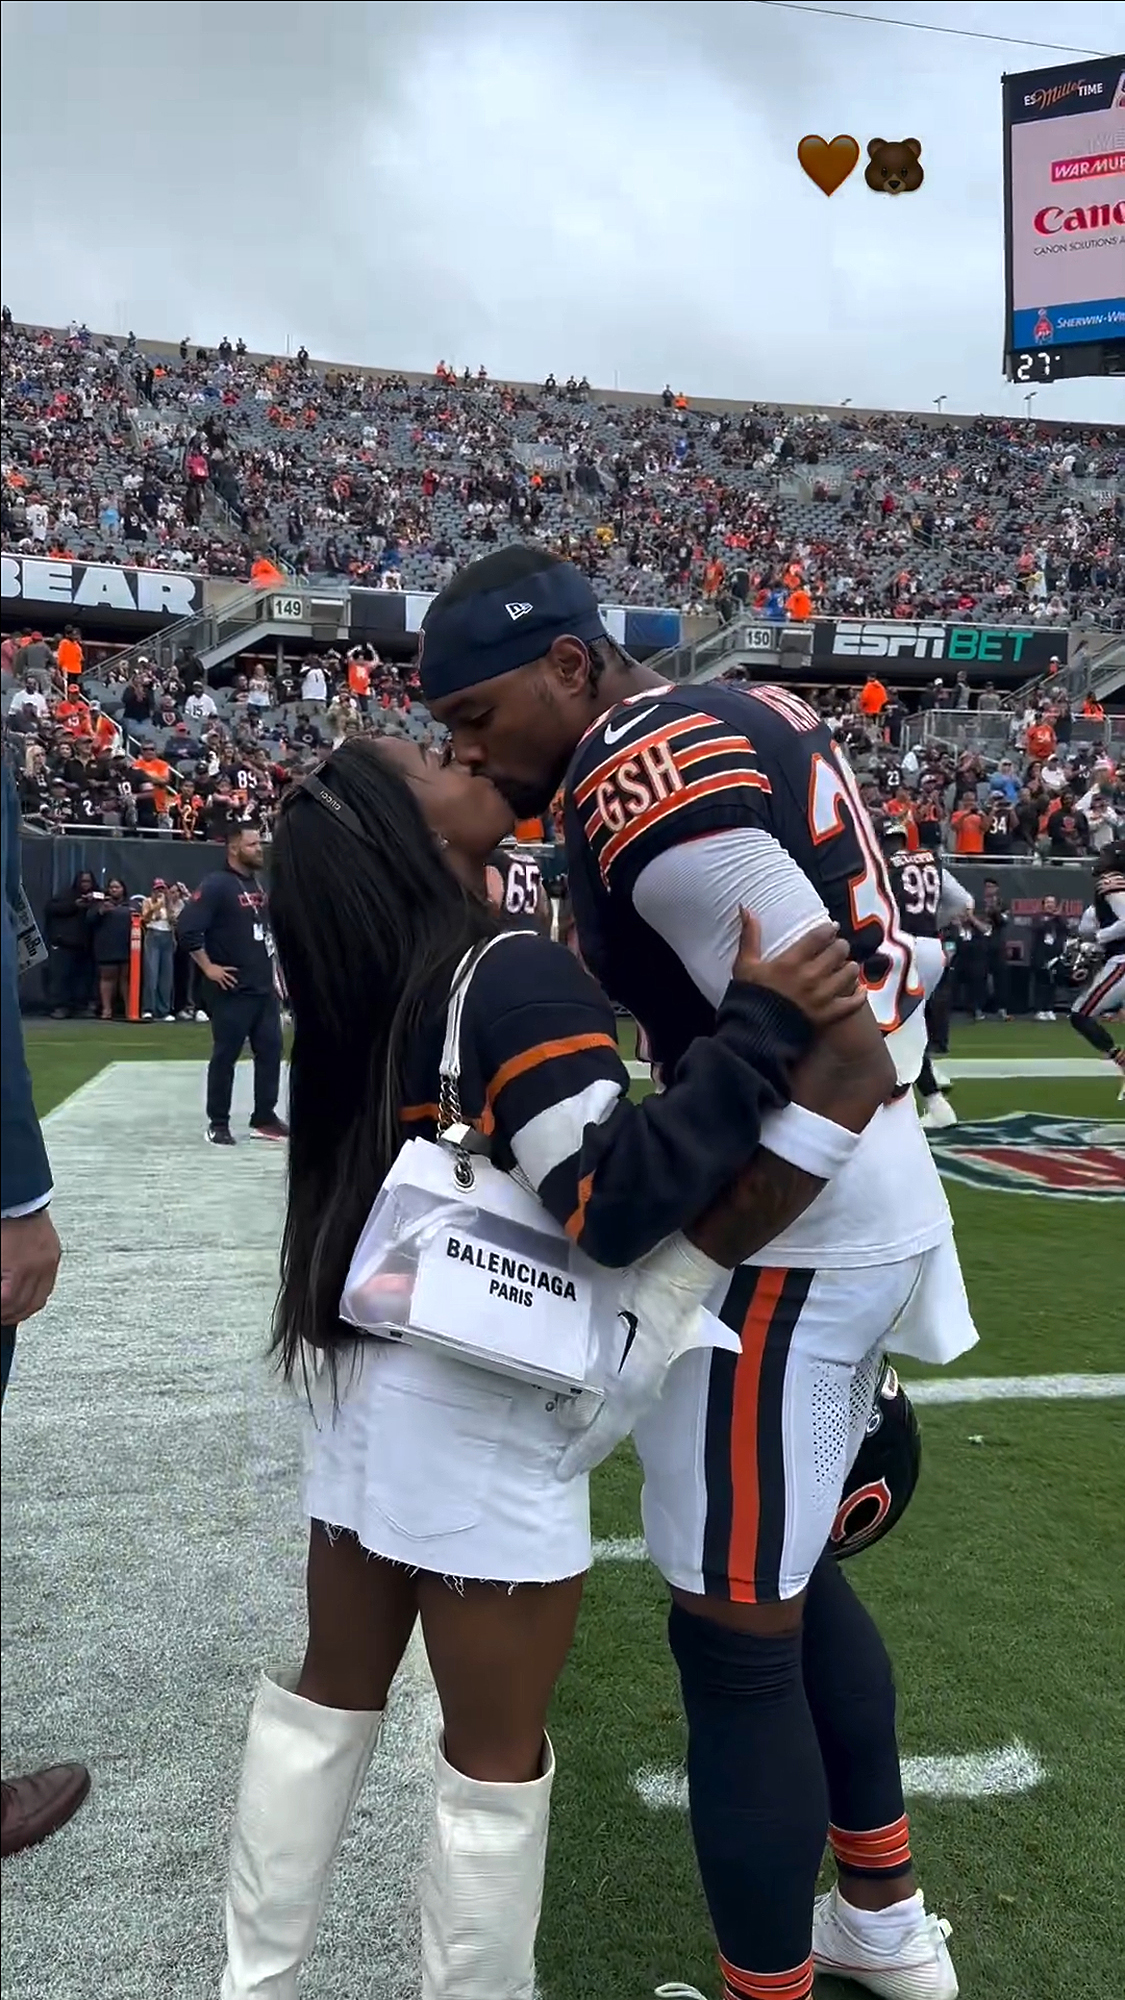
column 311, row 787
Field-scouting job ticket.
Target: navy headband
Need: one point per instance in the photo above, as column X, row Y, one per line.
column 476, row 638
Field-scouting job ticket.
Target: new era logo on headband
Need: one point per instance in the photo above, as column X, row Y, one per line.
column 515, row 611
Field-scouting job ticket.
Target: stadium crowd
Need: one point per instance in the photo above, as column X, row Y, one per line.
column 160, row 751
column 200, row 459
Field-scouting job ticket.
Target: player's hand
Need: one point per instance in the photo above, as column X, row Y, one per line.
column 225, row 976
column 661, row 1318
column 29, row 1262
column 817, row 974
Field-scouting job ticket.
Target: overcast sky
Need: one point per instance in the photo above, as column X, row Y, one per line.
column 609, row 189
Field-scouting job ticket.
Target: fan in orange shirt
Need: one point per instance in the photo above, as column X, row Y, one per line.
column 159, row 775
column 69, row 654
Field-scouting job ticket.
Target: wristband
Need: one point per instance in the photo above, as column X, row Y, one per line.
column 809, row 1141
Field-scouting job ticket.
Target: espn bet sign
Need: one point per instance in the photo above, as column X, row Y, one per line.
column 904, row 642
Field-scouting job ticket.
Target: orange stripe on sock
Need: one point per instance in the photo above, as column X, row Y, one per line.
column 880, row 1847
column 740, row 1985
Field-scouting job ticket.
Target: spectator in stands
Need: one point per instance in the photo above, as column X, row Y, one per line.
column 200, row 705
column 314, row 684
column 70, row 656
column 968, row 825
column 111, row 925
column 70, row 968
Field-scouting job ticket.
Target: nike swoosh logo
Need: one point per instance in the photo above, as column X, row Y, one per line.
column 612, row 734
column 630, row 1320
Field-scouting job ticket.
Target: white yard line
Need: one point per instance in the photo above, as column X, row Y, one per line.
column 1016, row 1388
column 978, row 1774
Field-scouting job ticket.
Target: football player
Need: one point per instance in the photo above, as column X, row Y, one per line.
column 515, row 884
column 1105, row 992
column 928, row 898
column 683, row 805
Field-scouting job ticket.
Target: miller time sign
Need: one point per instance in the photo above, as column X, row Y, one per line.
column 905, row 641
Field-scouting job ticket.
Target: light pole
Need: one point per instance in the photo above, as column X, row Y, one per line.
column 938, row 401
column 1028, row 401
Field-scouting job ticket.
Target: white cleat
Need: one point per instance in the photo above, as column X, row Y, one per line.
column 938, row 1115
column 913, row 1964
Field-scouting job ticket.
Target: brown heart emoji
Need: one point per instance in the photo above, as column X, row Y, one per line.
column 828, row 163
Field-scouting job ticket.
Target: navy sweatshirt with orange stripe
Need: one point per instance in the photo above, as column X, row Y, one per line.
column 542, row 1076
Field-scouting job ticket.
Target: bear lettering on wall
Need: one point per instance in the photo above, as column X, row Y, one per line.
column 894, row 166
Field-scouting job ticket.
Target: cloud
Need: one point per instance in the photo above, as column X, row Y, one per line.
column 608, row 188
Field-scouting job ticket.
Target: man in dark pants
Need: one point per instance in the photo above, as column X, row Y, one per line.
column 39, row 1804
column 225, row 927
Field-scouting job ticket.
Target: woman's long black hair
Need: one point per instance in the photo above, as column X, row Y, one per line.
column 369, row 931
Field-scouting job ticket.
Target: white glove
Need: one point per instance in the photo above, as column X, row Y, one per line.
column 661, row 1307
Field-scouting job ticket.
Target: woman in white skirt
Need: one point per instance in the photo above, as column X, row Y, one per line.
column 431, row 1485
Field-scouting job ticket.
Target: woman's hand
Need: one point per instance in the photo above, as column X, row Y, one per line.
column 816, row 974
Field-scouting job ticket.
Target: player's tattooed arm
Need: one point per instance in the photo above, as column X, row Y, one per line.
column 845, row 1077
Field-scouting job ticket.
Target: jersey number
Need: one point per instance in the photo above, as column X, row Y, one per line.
column 921, row 888
column 832, row 787
column 521, row 891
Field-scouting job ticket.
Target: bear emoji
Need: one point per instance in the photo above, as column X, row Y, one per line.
column 895, row 167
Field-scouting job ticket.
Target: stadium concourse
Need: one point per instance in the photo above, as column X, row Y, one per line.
column 154, row 1562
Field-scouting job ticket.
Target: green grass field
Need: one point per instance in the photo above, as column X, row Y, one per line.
column 1002, row 1596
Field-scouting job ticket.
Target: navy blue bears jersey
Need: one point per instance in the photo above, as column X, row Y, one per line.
column 521, row 885
column 671, row 766
column 915, row 879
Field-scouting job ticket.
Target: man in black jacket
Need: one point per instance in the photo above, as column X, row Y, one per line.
column 225, row 927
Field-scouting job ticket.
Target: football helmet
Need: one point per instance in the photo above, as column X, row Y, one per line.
column 1079, row 960
column 881, row 1483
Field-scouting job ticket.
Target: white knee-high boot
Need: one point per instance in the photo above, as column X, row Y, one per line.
column 301, row 1775
column 483, row 1885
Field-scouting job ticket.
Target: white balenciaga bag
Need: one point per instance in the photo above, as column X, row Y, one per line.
column 460, row 1256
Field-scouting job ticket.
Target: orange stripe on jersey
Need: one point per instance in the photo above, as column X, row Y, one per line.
column 743, row 1559
column 567, row 1045
column 715, row 746
column 884, row 1847
column 575, row 1222
column 418, row 1114
column 706, row 788
column 666, row 733
column 741, row 1985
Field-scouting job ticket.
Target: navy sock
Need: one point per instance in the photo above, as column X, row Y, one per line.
column 759, row 1806
column 851, row 1694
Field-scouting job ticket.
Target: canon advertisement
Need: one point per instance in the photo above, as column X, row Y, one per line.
column 924, row 649
column 1064, row 137
column 49, row 588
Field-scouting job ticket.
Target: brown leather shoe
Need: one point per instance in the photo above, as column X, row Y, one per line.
column 38, row 1805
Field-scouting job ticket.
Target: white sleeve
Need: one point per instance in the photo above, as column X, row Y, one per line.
column 690, row 896
column 1112, row 933
column 954, row 901
column 1088, row 923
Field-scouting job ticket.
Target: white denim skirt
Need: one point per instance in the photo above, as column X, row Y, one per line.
column 444, row 1467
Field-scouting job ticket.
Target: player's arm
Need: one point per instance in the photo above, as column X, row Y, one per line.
column 690, row 894
column 955, row 905
column 1113, row 933
column 621, row 1176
